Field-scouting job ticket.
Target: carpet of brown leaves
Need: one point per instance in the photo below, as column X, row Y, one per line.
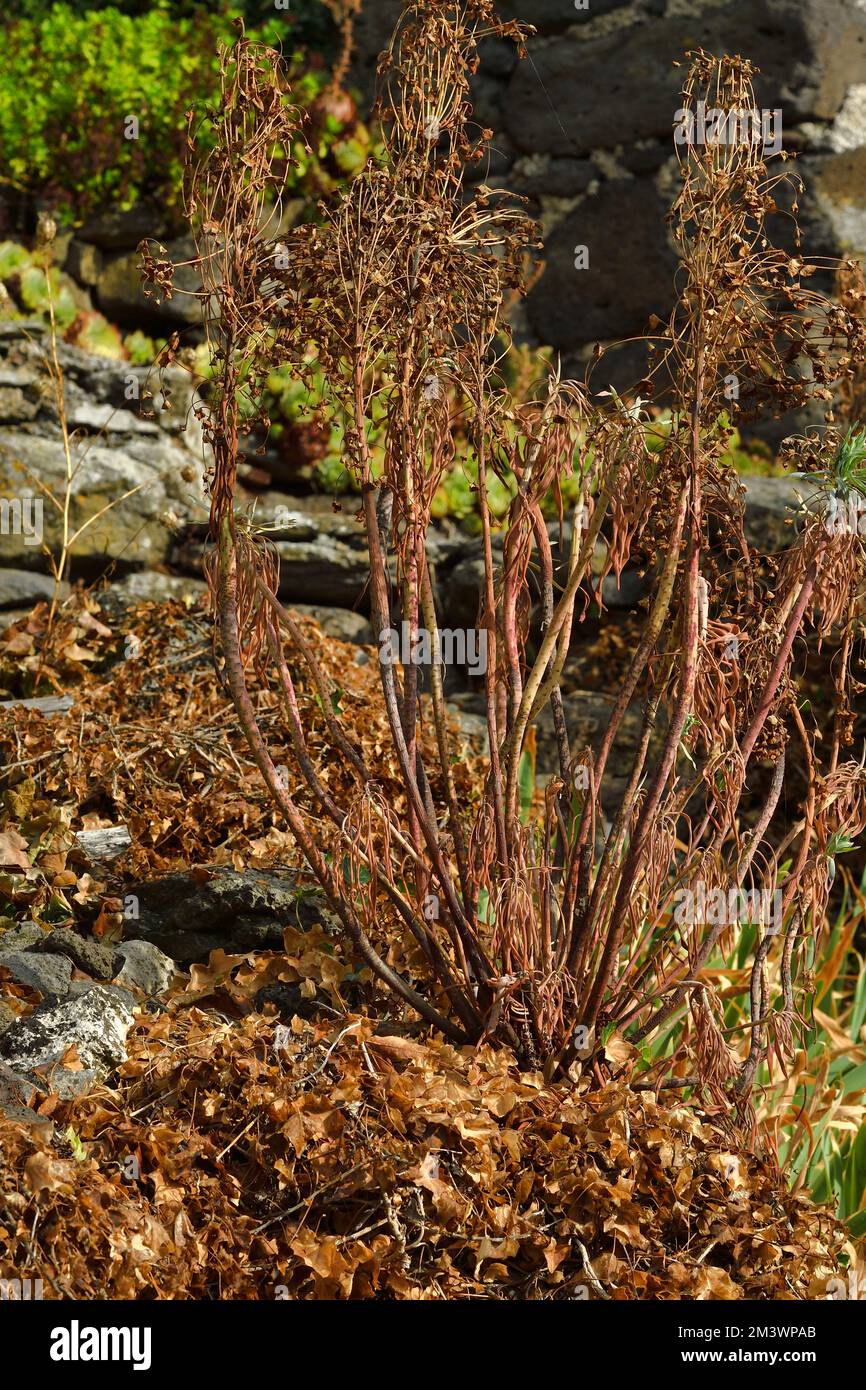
column 343, row 1163
column 151, row 738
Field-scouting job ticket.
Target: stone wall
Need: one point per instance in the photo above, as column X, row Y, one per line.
column 584, row 128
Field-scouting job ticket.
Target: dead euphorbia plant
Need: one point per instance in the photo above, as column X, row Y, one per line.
column 543, row 927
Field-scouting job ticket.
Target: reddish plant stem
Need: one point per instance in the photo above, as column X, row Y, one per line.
column 378, row 598
column 443, row 742
column 228, row 626
column 708, row 945
column 323, row 689
column 462, row 1005
column 770, row 691
column 488, row 623
column 665, row 767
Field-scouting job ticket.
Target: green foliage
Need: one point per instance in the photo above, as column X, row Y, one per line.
column 68, row 84
column 13, row 259
column 79, row 1153
column 846, row 476
column 292, row 404
column 456, row 495
column 93, row 333
column 70, row 80
column 825, row 1138
column 307, row 21
column 33, row 289
column 526, row 781
column 23, row 278
column 141, row 349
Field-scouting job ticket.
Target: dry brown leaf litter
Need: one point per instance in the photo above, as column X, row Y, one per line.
column 152, row 740
column 342, row 1164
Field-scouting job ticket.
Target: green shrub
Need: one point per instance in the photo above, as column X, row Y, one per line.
column 69, row 82
column 310, row 21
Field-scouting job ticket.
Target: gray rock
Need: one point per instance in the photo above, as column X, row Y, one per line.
column 373, row 28
column 540, row 176
column 188, row 919
column 462, row 585
column 133, row 530
column 15, row 1091
column 287, row 999
column 554, row 17
column 25, row 588
column 628, row 591
column 49, row 974
column 96, row 1023
column 323, row 555
column 103, row 845
column 497, row 57
column 324, row 569
column 102, row 394
column 629, row 274
column 586, row 713
column 122, row 299
column 121, row 229
column 375, row 23
column 327, row 570
column 16, row 405
column 11, row 616
column 145, row 967
column 837, row 199
column 98, row 418
column 83, row 262
column 584, row 93
column 86, row 954
column 470, row 727
column 13, row 340
column 154, row 587
column 771, row 505
column 646, row 156
column 68, row 1084
column 21, row 938
column 79, row 988
column 340, row 623
column 48, row 705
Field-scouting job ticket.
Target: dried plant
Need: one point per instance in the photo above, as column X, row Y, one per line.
column 344, row 14
column 544, row 931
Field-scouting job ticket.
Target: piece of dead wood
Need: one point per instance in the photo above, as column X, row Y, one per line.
column 46, row 704
column 100, row 845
